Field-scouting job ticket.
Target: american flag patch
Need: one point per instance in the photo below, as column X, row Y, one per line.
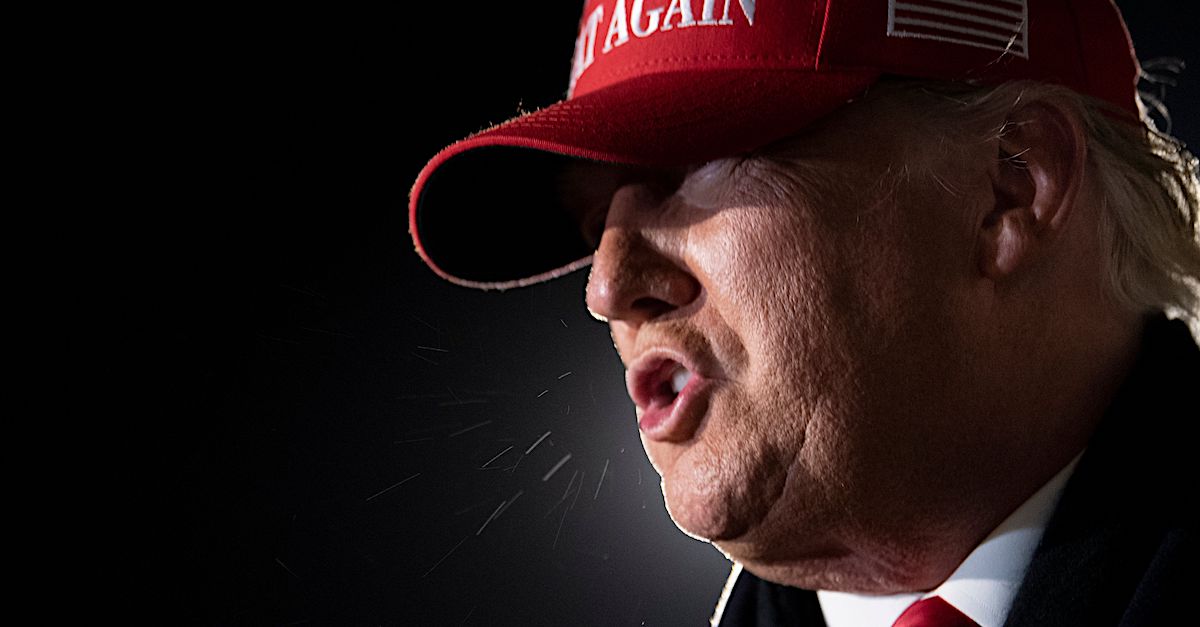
column 1001, row 25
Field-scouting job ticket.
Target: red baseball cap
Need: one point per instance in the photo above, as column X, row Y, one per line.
column 676, row 82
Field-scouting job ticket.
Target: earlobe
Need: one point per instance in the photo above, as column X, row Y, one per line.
column 1040, row 158
column 1007, row 236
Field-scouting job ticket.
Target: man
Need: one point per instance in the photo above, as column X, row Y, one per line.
column 888, row 282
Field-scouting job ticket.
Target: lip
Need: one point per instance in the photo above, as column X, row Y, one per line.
column 678, row 419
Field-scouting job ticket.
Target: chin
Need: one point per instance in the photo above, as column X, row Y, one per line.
column 722, row 483
column 702, row 521
column 714, row 502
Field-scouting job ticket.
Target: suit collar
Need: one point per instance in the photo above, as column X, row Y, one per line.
column 1124, row 499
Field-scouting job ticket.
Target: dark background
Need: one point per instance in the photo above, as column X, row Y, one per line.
column 333, row 424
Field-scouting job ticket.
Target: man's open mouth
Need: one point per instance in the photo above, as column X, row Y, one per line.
column 658, row 383
column 673, row 384
column 661, row 385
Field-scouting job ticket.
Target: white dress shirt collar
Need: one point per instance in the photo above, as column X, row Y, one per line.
column 982, row 587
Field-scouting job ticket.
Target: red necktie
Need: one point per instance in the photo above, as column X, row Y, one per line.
column 933, row 612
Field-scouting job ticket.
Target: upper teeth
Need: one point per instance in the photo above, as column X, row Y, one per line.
column 679, row 379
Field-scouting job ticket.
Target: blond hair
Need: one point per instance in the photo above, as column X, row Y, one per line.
column 1150, row 219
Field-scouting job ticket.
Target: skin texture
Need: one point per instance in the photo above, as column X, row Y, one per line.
column 906, row 335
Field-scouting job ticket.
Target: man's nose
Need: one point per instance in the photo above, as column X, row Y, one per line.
column 638, row 271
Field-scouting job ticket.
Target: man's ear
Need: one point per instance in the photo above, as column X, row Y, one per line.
column 1040, row 158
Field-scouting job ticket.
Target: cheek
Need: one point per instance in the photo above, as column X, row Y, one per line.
column 760, row 264
column 782, row 288
column 813, row 324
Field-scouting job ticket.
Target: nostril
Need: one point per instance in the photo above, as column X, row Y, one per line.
column 651, row 307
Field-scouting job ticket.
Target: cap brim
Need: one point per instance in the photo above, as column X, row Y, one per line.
column 485, row 211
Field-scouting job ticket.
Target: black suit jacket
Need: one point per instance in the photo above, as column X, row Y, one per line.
column 1121, row 546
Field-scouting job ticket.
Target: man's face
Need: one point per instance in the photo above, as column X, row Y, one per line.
column 818, row 309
